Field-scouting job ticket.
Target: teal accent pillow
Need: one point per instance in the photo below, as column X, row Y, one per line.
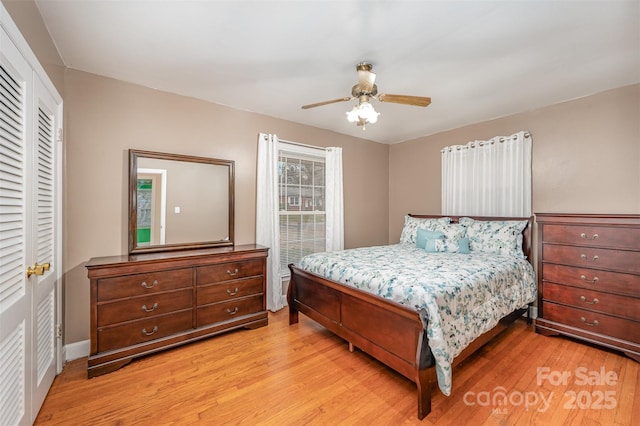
column 463, row 246
column 424, row 234
column 434, row 245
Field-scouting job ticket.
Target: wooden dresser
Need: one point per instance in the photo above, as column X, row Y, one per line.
column 141, row 304
column 589, row 279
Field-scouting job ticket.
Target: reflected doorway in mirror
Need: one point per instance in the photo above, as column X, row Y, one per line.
column 152, row 206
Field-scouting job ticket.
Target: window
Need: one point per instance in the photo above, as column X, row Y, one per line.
column 301, row 186
column 299, row 206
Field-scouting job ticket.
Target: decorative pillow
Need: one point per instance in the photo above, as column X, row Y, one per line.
column 463, row 246
column 452, row 233
column 411, row 225
column 446, row 238
column 502, row 237
column 435, row 246
column 422, row 235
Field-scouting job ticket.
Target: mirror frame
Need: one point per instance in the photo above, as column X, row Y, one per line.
column 134, row 155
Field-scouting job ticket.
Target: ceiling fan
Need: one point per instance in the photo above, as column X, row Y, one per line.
column 365, row 90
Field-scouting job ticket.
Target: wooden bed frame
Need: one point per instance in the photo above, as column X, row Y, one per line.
column 388, row 331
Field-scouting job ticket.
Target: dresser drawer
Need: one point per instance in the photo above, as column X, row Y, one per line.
column 228, row 271
column 229, row 310
column 141, row 284
column 143, row 330
column 144, row 306
column 593, row 321
column 596, row 236
column 213, row 293
column 593, row 279
column 621, row 306
column 619, row 260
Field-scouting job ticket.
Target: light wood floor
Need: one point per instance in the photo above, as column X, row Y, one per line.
column 302, row 374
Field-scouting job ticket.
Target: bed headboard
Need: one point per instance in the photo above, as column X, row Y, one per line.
column 526, row 232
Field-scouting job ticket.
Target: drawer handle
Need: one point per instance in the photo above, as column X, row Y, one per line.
column 591, row 324
column 145, row 285
column 593, row 302
column 586, row 237
column 232, row 293
column 231, row 274
column 153, row 308
column 584, row 257
column 149, row 333
column 230, row 312
column 594, row 280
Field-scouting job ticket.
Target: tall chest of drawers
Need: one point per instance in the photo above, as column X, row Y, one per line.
column 589, row 279
column 141, row 304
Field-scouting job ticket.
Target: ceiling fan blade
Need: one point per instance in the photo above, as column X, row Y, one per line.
column 405, row 99
column 333, row 101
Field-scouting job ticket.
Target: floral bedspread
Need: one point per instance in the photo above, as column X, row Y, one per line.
column 464, row 295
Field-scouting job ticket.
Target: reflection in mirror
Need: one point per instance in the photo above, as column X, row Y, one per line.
column 179, row 202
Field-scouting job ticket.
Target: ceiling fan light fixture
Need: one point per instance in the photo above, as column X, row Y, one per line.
column 352, row 116
column 363, row 113
column 367, row 112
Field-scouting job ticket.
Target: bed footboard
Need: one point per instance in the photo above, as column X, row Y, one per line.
column 388, row 331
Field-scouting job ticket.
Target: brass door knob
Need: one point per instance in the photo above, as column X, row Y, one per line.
column 38, row 269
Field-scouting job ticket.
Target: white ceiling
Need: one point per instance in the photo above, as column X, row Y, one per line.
column 477, row 60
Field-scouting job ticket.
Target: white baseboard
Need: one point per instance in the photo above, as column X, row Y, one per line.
column 76, row 350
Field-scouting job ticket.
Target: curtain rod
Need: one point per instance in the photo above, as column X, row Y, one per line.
column 472, row 144
column 301, row 144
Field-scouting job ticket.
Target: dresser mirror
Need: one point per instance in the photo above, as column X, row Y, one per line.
column 179, row 202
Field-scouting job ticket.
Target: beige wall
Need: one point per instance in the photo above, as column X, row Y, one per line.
column 106, row 117
column 586, row 158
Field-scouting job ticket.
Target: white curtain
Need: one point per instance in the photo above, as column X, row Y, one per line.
column 334, row 199
column 488, row 178
column 267, row 219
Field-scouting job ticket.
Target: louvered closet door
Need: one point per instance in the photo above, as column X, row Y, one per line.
column 45, row 246
column 29, row 182
column 15, row 295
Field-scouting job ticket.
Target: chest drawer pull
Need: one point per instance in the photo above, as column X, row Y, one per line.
column 145, row 285
column 593, row 302
column 591, row 324
column 231, row 274
column 594, row 280
column 232, row 293
column 584, row 257
column 149, row 333
column 230, row 312
column 153, row 308
column 586, row 237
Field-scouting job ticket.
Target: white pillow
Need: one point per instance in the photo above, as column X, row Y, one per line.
column 411, row 225
column 452, row 233
column 502, row 237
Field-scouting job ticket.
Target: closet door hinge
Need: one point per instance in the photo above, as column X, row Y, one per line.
column 59, row 331
column 60, row 135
